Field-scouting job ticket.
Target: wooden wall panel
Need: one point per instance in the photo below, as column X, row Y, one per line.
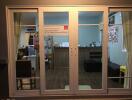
column 3, row 42
column 3, row 53
column 71, row 2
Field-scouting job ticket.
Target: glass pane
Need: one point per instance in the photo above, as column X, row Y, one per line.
column 27, row 50
column 90, row 50
column 90, row 17
column 119, row 49
column 56, row 45
column 119, row 82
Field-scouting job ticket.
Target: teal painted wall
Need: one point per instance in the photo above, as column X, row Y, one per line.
column 87, row 34
column 116, row 49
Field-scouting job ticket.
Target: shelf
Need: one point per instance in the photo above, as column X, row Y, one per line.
column 26, row 25
column 29, row 56
column 90, row 24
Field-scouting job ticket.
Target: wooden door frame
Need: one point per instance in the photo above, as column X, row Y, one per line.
column 73, row 37
column 11, row 53
column 121, row 91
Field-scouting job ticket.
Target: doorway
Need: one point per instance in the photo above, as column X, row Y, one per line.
column 64, row 49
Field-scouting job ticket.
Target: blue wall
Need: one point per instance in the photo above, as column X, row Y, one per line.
column 55, row 18
column 60, row 39
column 115, row 49
column 87, row 34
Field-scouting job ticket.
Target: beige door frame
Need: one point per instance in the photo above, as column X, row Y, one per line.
column 73, row 39
column 122, row 91
column 73, row 49
column 12, row 54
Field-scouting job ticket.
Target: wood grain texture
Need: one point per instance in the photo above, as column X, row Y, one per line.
column 3, row 53
column 3, row 37
column 70, row 2
column 77, row 99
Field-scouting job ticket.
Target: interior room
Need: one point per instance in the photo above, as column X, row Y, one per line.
column 56, row 50
column 27, row 52
column 118, row 65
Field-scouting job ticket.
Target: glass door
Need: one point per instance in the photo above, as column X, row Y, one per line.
column 59, row 25
column 60, row 50
column 92, row 51
column 74, row 50
column 119, row 64
column 24, row 51
column 56, row 50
